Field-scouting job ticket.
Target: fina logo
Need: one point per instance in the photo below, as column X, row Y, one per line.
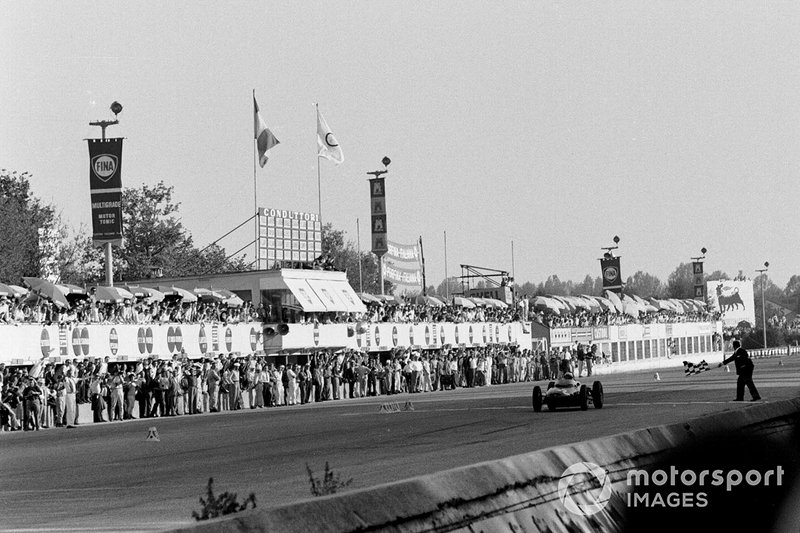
column 610, row 273
column 104, row 166
column 598, row 503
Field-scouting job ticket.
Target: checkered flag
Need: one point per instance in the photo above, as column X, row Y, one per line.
column 690, row 368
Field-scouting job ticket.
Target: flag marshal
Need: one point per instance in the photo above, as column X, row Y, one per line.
column 326, row 142
column 264, row 138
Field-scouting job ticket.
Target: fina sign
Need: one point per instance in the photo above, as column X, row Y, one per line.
column 104, row 166
column 105, row 187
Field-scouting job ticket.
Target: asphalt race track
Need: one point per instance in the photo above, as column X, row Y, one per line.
column 106, row 477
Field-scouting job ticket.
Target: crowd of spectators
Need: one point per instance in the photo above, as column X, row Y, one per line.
column 88, row 310
column 584, row 318
column 50, row 395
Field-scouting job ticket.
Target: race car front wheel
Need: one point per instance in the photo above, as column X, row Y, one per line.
column 536, row 399
column 583, row 397
column 597, row 395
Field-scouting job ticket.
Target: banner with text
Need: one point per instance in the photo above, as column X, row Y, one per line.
column 105, row 188
column 402, row 267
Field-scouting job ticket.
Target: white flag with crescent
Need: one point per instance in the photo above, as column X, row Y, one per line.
column 326, row 142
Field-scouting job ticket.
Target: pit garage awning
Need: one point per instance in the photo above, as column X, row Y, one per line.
column 337, row 295
column 349, row 297
column 304, row 295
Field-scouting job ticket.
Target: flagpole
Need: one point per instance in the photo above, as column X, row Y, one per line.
column 319, row 181
column 446, row 281
column 358, row 237
column 255, row 195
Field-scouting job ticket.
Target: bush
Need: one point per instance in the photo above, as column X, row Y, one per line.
column 329, row 484
column 225, row 503
column 755, row 339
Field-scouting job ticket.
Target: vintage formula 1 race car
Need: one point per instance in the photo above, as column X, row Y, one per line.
column 568, row 392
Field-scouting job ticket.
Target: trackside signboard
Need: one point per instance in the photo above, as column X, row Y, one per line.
column 105, row 188
column 734, row 300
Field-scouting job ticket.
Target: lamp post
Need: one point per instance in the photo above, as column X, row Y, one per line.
column 763, row 271
column 609, row 267
column 378, row 210
column 116, row 108
column 697, row 272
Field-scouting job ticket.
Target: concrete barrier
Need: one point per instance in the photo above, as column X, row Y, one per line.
column 519, row 493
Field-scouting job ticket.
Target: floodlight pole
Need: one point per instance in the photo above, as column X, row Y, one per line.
column 107, row 247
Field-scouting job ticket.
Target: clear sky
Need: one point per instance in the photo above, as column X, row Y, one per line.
column 555, row 125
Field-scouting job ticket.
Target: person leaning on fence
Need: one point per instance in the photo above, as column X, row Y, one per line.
column 744, row 371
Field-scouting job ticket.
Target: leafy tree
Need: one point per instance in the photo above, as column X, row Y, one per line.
column 80, row 262
column 527, row 290
column 556, row 287
column 21, row 217
column 449, row 287
column 585, row 287
column 792, row 289
column 717, row 275
column 598, row 286
column 344, row 256
column 680, row 284
column 771, row 291
column 644, row 285
column 155, row 238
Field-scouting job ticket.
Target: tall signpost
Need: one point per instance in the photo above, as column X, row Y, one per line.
column 610, row 270
column 377, row 197
column 105, row 187
column 699, row 278
column 763, row 272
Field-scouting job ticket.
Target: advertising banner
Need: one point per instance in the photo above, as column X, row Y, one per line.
column 612, row 277
column 402, row 266
column 105, row 187
column 733, row 299
column 377, row 194
column 699, row 283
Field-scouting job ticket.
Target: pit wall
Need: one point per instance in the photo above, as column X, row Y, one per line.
column 518, row 493
column 25, row 344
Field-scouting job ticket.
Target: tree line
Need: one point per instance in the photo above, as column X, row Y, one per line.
column 155, row 239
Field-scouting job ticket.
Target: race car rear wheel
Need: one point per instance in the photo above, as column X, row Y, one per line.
column 551, row 385
column 536, row 399
column 583, row 397
column 597, row 395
